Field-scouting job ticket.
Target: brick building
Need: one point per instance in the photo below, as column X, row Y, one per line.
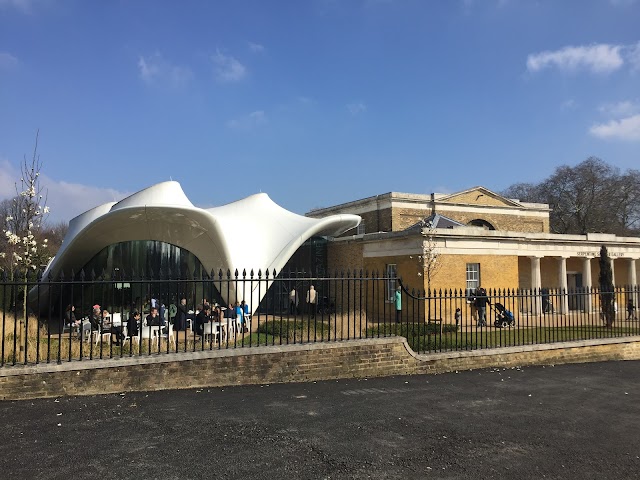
column 482, row 238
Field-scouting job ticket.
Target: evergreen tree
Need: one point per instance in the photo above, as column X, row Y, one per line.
column 607, row 295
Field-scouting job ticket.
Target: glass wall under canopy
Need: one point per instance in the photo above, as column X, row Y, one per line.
column 126, row 275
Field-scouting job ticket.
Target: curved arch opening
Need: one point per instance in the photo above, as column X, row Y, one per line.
column 479, row 222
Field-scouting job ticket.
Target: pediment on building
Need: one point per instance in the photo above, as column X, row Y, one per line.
column 479, row 196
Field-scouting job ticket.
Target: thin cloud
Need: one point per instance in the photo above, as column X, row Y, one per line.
column 155, row 70
column 256, row 47
column 227, row 68
column 248, row 122
column 569, row 104
column 7, row 61
column 68, row 200
column 601, row 58
column 65, row 200
column 624, row 129
column 620, row 109
column 356, row 108
column 24, row 6
column 633, row 56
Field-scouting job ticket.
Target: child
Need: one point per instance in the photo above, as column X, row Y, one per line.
column 458, row 316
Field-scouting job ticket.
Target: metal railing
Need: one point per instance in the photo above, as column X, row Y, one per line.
column 351, row 305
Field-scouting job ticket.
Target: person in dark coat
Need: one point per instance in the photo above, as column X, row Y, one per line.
column 202, row 318
column 132, row 323
column 182, row 315
column 481, row 302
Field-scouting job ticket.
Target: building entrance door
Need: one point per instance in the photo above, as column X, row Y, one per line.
column 576, row 291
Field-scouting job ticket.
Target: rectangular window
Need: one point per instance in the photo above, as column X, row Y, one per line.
column 361, row 229
column 473, row 277
column 392, row 275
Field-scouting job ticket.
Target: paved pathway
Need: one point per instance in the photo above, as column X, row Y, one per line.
column 564, row 422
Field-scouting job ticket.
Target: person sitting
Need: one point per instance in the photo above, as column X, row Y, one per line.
column 154, row 319
column 96, row 318
column 70, row 318
column 230, row 312
column 109, row 327
column 132, row 323
column 201, row 319
column 205, row 302
column 116, row 330
column 216, row 313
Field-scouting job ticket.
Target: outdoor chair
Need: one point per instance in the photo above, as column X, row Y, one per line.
column 211, row 330
column 135, row 340
column 149, row 333
column 167, row 336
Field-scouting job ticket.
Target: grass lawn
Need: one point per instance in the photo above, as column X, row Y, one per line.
column 426, row 338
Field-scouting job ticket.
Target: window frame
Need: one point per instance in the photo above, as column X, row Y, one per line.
column 391, row 273
column 472, row 283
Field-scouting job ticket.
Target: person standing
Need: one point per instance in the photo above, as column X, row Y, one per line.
column 182, row 315
column 293, row 301
column 481, row 305
column 631, row 310
column 312, row 299
column 398, row 302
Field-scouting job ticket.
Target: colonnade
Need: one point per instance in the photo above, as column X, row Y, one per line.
column 563, row 307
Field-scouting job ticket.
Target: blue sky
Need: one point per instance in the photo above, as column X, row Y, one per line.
column 315, row 102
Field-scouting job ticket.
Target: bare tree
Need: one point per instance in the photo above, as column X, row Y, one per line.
column 590, row 197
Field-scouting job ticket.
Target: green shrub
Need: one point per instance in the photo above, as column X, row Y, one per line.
column 449, row 328
column 299, row 329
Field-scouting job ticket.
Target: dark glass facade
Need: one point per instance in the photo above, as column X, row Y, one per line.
column 127, row 275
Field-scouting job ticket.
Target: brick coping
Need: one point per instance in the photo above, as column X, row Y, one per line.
column 77, row 365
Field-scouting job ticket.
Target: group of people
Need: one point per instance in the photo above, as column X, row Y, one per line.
column 207, row 314
column 99, row 321
column 311, row 300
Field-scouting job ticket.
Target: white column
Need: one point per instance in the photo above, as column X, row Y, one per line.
column 536, row 284
column 563, row 298
column 633, row 280
column 613, row 271
column 586, row 280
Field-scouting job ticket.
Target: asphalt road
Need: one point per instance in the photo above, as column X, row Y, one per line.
column 563, row 422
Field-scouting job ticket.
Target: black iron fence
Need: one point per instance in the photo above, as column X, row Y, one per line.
column 250, row 309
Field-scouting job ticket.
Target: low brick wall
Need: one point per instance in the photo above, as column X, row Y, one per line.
column 293, row 363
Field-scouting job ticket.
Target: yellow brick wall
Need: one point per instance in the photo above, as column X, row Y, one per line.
column 513, row 223
column 344, row 255
column 476, row 197
column 496, row 271
column 403, row 218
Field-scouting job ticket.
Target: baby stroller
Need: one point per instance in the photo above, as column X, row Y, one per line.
column 504, row 318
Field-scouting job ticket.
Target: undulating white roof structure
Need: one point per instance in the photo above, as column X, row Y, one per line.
column 252, row 233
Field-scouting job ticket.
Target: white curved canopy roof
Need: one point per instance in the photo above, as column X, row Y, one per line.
column 252, row 233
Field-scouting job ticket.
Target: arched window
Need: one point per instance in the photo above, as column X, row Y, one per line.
column 478, row 222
